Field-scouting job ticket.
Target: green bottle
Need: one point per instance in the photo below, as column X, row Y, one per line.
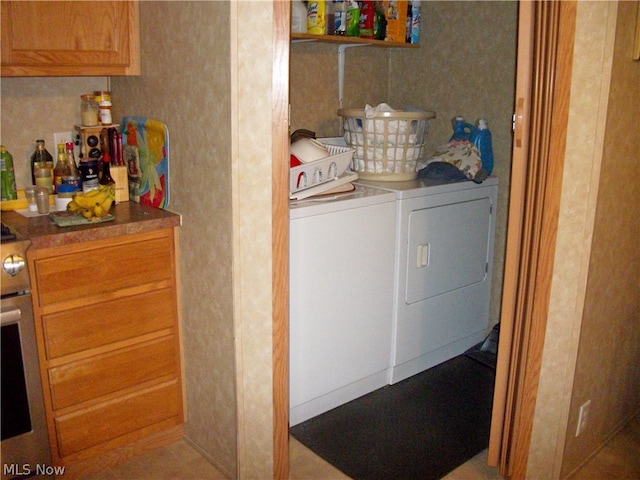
column 8, row 185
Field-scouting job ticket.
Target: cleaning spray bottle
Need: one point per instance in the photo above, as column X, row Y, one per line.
column 461, row 129
column 481, row 138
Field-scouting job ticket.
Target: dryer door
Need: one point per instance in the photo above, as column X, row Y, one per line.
column 447, row 248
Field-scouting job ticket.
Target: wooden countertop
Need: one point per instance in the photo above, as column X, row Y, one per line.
column 130, row 217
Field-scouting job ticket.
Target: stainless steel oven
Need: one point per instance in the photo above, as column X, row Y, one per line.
column 25, row 445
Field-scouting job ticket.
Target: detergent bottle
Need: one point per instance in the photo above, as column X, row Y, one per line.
column 481, row 138
column 461, row 129
column 298, row 17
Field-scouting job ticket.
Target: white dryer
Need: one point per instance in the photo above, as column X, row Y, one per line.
column 342, row 257
column 444, row 256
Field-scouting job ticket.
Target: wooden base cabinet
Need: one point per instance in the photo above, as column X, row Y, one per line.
column 106, row 316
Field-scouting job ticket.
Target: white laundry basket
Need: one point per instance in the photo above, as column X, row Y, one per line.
column 387, row 145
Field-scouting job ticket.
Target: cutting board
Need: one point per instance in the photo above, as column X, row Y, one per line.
column 145, row 146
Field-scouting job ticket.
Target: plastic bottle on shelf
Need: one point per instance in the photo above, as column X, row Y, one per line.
column 317, row 17
column 415, row 22
column 353, row 18
column 8, row 176
column 366, row 19
column 407, row 30
column 298, row 17
column 380, row 23
column 329, row 18
column 340, row 18
column 461, row 129
column 481, row 138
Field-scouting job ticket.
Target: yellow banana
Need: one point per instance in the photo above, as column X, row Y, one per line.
column 91, row 193
column 106, row 205
column 82, row 201
column 89, row 201
column 98, row 197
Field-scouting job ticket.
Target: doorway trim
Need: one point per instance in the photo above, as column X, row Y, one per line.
column 542, row 108
column 280, row 236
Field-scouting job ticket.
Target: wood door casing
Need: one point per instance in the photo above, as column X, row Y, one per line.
column 533, row 220
column 280, row 238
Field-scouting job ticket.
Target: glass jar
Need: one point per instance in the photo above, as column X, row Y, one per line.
column 105, row 114
column 103, row 99
column 66, row 192
column 88, row 110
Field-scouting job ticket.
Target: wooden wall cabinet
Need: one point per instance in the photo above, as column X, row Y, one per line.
column 70, row 38
column 106, row 316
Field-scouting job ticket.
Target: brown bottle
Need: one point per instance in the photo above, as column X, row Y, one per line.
column 106, row 178
column 40, row 158
column 74, row 178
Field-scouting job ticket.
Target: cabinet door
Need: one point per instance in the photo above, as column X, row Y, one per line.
column 70, row 38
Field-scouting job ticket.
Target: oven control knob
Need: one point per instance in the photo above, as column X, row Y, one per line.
column 13, row 264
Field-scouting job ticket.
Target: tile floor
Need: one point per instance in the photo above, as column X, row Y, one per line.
column 619, row 459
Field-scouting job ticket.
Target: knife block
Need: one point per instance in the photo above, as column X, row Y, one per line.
column 120, row 175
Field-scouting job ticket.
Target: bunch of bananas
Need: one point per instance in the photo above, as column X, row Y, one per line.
column 94, row 204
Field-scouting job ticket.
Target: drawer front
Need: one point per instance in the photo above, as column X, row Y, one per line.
column 92, row 326
column 87, row 272
column 107, row 421
column 84, row 380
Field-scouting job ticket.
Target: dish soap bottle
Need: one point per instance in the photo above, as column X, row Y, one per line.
column 481, row 138
column 8, row 175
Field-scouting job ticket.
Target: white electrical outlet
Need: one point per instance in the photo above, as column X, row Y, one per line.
column 63, row 137
column 583, row 417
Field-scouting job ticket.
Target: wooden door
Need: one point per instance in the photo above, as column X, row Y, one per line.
column 545, row 50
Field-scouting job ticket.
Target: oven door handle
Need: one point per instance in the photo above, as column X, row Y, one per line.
column 11, row 315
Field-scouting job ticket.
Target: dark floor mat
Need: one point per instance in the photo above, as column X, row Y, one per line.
column 421, row 428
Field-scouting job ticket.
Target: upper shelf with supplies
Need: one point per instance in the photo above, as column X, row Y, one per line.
column 339, row 39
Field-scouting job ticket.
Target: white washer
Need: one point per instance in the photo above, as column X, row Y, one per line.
column 444, row 258
column 341, row 298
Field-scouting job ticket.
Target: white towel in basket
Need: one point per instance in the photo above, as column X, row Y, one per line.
column 377, row 127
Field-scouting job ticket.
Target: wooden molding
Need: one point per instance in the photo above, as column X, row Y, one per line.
column 280, row 238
